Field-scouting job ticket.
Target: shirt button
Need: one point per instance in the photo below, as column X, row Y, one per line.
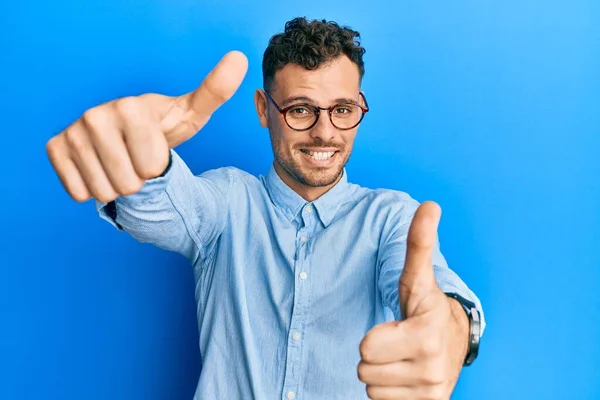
column 296, row 336
column 309, row 208
column 303, row 239
column 291, row 395
column 303, row 275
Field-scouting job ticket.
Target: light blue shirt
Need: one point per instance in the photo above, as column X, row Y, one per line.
column 286, row 289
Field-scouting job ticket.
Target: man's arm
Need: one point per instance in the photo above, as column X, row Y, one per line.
column 177, row 211
column 392, row 256
column 421, row 353
column 115, row 151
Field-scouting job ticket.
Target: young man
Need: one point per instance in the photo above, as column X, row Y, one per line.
column 294, row 269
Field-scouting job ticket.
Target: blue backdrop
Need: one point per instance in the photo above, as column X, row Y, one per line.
column 490, row 108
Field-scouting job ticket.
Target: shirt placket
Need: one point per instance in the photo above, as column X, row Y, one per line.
column 293, row 370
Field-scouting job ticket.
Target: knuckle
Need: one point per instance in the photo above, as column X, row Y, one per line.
column 369, row 345
column 127, row 105
column 51, row 143
column 361, row 372
column 94, row 116
column 365, row 348
column 215, row 92
column 75, row 140
column 52, row 147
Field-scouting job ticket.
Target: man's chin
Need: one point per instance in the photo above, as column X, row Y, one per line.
column 311, row 175
column 319, row 177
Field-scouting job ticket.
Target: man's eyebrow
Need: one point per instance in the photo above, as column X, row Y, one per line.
column 295, row 99
column 306, row 99
column 345, row 100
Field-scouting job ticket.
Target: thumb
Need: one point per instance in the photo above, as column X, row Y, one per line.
column 417, row 280
column 187, row 114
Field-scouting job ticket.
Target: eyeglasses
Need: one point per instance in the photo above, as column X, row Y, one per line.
column 302, row 117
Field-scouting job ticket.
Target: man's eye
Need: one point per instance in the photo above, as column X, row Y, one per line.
column 299, row 110
column 343, row 110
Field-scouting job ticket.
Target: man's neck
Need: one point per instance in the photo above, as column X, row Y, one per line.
column 308, row 193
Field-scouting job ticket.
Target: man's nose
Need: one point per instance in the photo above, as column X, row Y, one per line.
column 324, row 129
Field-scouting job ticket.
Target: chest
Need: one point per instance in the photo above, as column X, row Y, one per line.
column 282, row 261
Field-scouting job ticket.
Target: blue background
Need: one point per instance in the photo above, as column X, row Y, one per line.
column 490, row 108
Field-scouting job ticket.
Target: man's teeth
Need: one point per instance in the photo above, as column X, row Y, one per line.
column 318, row 155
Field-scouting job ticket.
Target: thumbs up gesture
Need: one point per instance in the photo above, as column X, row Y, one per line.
column 115, row 147
column 421, row 356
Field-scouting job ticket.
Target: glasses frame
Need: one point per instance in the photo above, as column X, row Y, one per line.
column 317, row 112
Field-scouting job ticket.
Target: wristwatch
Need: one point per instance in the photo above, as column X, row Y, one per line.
column 474, row 327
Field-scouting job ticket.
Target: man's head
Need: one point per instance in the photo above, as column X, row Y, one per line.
column 312, row 64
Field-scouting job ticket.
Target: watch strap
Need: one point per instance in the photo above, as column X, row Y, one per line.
column 474, row 326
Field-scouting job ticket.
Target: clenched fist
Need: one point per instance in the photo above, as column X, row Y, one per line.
column 116, row 146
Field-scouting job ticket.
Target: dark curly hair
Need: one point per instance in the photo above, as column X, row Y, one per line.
column 310, row 44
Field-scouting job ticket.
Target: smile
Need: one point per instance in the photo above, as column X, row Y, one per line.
column 320, row 159
column 319, row 155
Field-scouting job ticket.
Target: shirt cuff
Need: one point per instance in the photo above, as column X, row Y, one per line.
column 107, row 210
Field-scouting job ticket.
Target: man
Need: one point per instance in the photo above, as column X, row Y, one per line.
column 295, row 270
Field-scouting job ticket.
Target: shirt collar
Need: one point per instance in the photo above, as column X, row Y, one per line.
column 290, row 202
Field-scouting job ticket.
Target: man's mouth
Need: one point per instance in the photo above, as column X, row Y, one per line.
column 318, row 155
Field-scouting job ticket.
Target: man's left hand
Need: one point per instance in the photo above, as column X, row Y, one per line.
column 421, row 356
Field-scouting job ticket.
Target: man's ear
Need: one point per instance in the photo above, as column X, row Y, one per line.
column 260, row 102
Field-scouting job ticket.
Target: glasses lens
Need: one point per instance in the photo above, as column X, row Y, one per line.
column 345, row 116
column 300, row 117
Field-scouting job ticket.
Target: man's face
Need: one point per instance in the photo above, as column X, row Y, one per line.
column 315, row 157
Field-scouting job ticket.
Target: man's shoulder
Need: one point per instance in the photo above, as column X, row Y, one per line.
column 231, row 171
column 391, row 206
column 384, row 196
column 232, row 175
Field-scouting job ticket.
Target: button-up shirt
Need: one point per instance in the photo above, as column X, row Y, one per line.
column 286, row 288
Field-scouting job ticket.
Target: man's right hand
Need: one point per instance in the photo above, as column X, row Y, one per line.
column 116, row 146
